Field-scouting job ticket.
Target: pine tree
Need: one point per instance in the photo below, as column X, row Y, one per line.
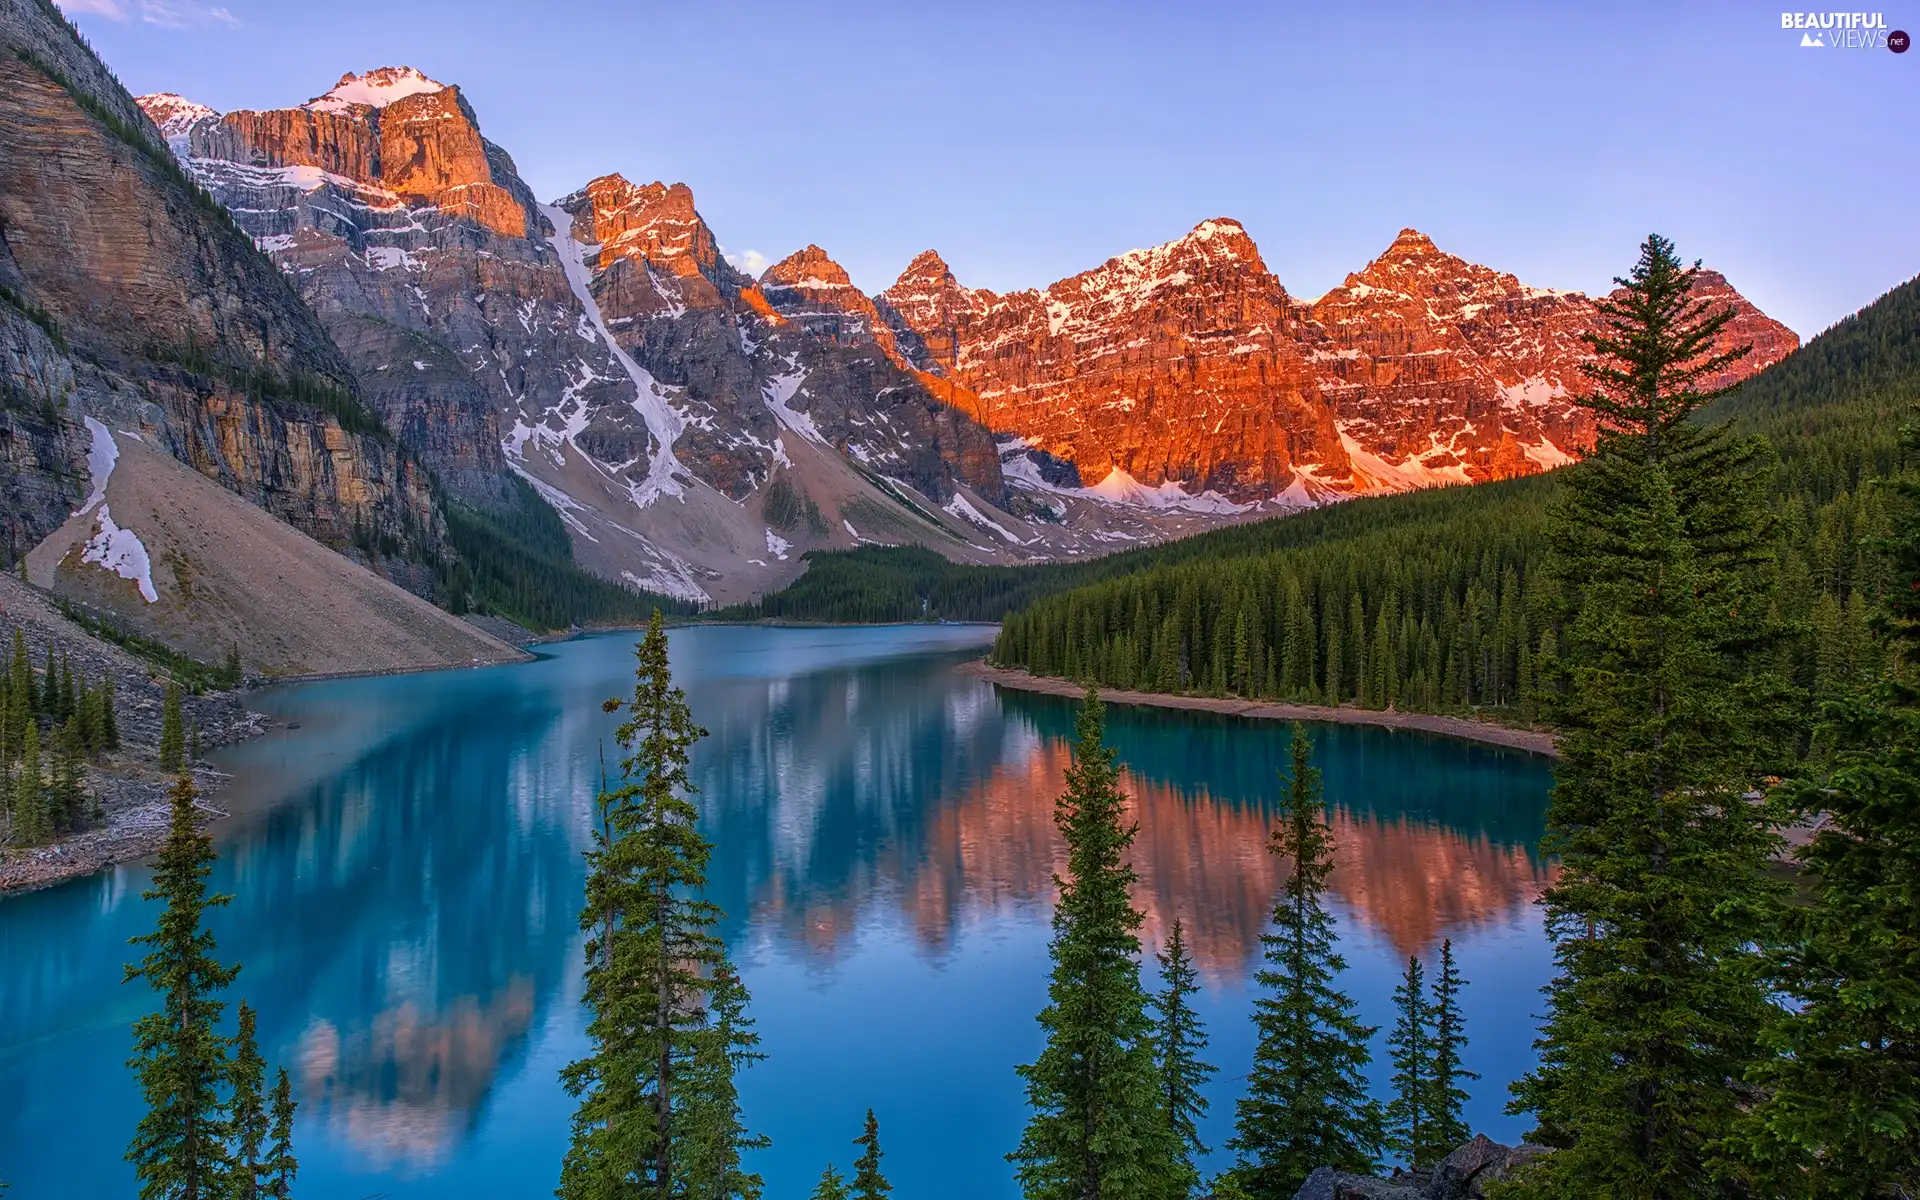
column 69, row 796
column 178, row 1150
column 252, row 1175
column 1409, row 1132
column 831, row 1186
column 1660, row 548
column 173, row 739
column 282, row 1166
column 1179, row 1039
column 1447, row 1100
column 1842, row 1109
column 667, row 1020
column 710, row 1128
column 1306, row 1103
column 1095, row 1131
column 30, row 792
column 48, row 705
column 868, row 1182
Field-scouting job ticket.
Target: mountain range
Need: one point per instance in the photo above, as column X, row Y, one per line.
column 463, row 346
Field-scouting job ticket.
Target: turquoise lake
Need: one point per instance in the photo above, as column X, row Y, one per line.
column 406, row 870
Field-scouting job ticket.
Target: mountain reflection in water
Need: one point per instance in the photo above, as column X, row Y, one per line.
column 407, row 872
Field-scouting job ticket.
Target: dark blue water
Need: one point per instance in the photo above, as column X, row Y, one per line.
column 406, row 870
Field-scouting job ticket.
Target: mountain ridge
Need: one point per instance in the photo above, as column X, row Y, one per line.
column 660, row 398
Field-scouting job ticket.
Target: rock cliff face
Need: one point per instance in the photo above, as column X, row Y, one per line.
column 1189, row 364
column 129, row 296
column 1179, row 364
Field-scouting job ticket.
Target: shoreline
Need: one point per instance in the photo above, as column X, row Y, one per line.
column 1529, row 741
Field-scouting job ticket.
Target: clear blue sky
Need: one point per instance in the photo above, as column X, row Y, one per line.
column 1028, row 141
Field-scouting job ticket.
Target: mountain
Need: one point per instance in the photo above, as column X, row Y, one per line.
column 699, row 430
column 137, row 318
column 1190, row 364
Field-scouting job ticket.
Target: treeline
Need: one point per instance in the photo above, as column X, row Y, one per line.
column 1436, row 602
column 517, row 562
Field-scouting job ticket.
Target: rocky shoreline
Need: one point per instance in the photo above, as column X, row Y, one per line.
column 1532, row 741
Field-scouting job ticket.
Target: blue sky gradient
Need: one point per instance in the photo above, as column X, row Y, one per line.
column 1028, row 141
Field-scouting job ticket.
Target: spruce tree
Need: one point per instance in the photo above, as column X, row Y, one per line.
column 868, row 1182
column 173, row 738
column 1659, row 548
column 1446, row 1106
column 282, row 1166
column 68, row 795
column 30, row 808
column 1409, row 1131
column 1842, row 1109
column 48, row 704
column 1306, row 1103
column 667, row 1021
column 1095, row 1131
column 1179, row 1038
column 710, row 1129
column 179, row 1147
column 831, row 1186
column 247, row 1113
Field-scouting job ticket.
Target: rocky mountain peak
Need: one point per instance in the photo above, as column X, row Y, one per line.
column 375, row 89
column 806, row 269
column 176, row 116
column 654, row 223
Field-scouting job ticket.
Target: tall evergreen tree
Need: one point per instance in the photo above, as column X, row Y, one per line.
column 868, row 1182
column 252, row 1174
column 30, row 809
column 281, row 1164
column 1179, row 1039
column 173, row 736
column 1446, row 1106
column 1306, row 1103
column 667, row 1015
column 1660, row 547
column 1095, row 1131
column 710, row 1128
column 1842, row 1113
column 1409, row 1127
column 179, row 1147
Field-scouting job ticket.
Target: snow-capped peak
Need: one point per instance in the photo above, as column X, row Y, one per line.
column 376, row 89
column 175, row 115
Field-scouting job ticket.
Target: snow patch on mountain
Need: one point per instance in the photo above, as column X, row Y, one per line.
column 118, row 550
column 376, row 89
column 663, row 421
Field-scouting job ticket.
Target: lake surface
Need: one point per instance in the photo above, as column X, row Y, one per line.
column 407, row 876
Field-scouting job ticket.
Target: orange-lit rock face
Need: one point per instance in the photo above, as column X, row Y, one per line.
column 1176, row 363
column 656, row 228
column 1189, row 362
column 393, row 128
column 811, row 289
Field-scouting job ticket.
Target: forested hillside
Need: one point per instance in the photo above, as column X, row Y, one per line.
column 1426, row 600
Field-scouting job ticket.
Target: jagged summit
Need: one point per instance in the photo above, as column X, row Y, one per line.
column 176, row 116
column 811, row 267
column 375, row 89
